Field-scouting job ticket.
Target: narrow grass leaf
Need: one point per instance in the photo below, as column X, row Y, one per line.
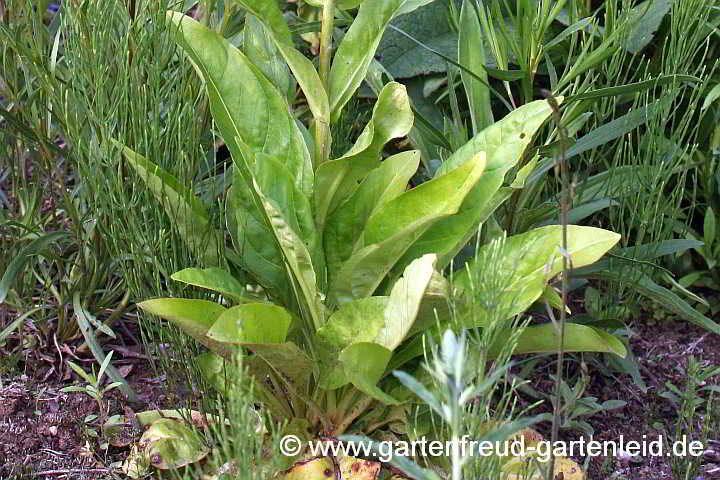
column 18, row 263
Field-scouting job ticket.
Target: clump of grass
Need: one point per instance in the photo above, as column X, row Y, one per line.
column 48, row 226
column 150, row 99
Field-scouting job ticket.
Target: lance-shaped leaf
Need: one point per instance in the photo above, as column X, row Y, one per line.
column 254, row 239
column 430, row 200
column 275, row 183
column 194, row 317
column 503, row 143
column 545, row 338
column 394, row 228
column 243, row 102
column 235, row 88
column 17, row 265
column 216, row 371
column 215, row 279
column 264, row 54
column 358, row 321
column 471, row 55
column 357, row 48
column 269, row 14
column 645, row 286
column 404, row 301
column 383, row 184
column 250, row 223
column 528, row 261
column 251, row 323
column 188, row 213
column 297, row 258
column 337, row 179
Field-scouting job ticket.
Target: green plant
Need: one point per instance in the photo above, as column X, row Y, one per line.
column 55, row 256
column 576, row 405
column 700, row 271
column 689, row 400
column 458, row 398
column 337, row 266
column 94, row 388
column 611, row 93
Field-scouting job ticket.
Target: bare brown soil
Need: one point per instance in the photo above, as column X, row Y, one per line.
column 42, row 434
column 662, row 351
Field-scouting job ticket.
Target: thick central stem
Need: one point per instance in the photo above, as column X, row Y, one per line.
column 322, row 131
column 326, row 30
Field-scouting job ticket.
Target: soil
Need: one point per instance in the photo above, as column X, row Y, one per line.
column 662, row 350
column 42, row 433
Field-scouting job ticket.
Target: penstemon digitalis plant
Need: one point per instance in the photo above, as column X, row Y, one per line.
column 337, row 265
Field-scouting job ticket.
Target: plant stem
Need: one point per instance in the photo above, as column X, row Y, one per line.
column 328, row 16
column 362, row 405
column 321, row 128
column 564, row 213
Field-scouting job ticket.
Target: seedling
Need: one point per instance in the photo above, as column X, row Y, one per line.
column 94, row 388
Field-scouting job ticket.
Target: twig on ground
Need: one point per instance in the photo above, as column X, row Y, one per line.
column 66, row 471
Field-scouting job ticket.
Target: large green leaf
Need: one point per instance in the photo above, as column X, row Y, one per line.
column 504, row 140
column 338, row 179
column 403, row 57
column 264, row 54
column 365, row 363
column 383, row 184
column 216, row 371
column 528, row 261
column 194, row 317
column 251, row 323
column 449, row 235
column 292, row 365
column 578, row 338
column 215, row 279
column 358, row 321
column 298, row 260
column 358, row 46
column 188, row 213
column 257, row 126
column 268, row 12
column 243, row 102
column 430, row 200
column 253, row 238
column 393, row 229
column 503, row 143
column 404, row 301
column 275, row 186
